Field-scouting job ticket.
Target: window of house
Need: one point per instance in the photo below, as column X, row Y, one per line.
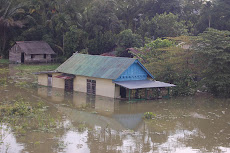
column 32, row 56
column 91, row 87
column 44, row 56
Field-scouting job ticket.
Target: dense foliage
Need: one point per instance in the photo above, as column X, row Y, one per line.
column 214, row 48
column 171, row 63
column 100, row 26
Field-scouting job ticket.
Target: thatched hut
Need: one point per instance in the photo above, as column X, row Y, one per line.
column 31, row 52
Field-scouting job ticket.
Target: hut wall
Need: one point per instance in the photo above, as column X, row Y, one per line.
column 37, row 58
column 104, row 87
column 43, row 79
column 15, row 54
column 58, row 82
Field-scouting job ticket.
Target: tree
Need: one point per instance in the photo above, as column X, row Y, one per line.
column 169, row 62
column 102, row 43
column 129, row 11
column 61, row 23
column 8, row 11
column 213, row 47
column 221, row 15
column 101, row 17
column 127, row 39
column 75, row 40
column 168, row 6
column 164, row 25
column 205, row 20
column 191, row 13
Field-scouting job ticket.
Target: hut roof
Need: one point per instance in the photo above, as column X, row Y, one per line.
column 97, row 66
column 35, row 47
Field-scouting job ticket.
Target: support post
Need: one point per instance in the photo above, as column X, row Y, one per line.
column 168, row 92
column 145, row 93
column 157, row 93
column 129, row 94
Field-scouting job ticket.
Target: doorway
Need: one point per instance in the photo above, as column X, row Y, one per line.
column 22, row 58
column 122, row 92
column 69, row 84
column 49, row 80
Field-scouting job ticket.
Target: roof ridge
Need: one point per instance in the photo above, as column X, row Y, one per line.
column 105, row 56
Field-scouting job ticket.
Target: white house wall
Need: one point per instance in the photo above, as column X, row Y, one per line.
column 43, row 79
column 104, row 87
column 57, row 82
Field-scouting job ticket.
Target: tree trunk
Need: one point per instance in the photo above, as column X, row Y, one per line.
column 4, row 42
column 209, row 21
column 63, row 43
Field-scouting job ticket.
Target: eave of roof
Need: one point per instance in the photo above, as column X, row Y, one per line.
column 140, row 84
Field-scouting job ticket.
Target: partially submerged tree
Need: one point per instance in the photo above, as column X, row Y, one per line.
column 213, row 46
column 169, row 62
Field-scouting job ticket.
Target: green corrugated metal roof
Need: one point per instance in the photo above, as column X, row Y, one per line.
column 96, row 66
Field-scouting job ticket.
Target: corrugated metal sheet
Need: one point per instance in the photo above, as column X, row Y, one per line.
column 140, row 84
column 35, row 47
column 96, row 66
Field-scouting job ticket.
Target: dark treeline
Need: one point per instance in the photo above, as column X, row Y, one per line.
column 100, row 26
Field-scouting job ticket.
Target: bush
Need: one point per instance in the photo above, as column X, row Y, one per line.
column 149, row 115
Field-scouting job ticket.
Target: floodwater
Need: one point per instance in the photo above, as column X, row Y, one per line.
column 97, row 124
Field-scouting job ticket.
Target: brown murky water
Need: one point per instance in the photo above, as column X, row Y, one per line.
column 97, row 124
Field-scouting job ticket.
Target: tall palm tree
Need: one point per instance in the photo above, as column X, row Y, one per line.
column 7, row 13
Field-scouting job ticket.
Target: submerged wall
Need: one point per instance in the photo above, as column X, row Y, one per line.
column 104, row 87
column 43, row 79
column 58, row 82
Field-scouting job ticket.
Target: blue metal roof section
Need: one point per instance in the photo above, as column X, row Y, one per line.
column 135, row 72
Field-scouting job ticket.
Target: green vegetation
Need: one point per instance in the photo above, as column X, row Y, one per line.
column 36, row 68
column 170, row 63
column 76, row 25
column 3, row 81
column 149, row 115
column 4, row 70
column 101, row 26
column 4, row 61
column 213, row 48
column 22, row 116
column 163, row 25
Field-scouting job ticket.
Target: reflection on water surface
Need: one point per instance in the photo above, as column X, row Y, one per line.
column 99, row 124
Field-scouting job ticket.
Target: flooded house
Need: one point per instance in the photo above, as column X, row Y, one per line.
column 114, row 77
column 31, row 52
